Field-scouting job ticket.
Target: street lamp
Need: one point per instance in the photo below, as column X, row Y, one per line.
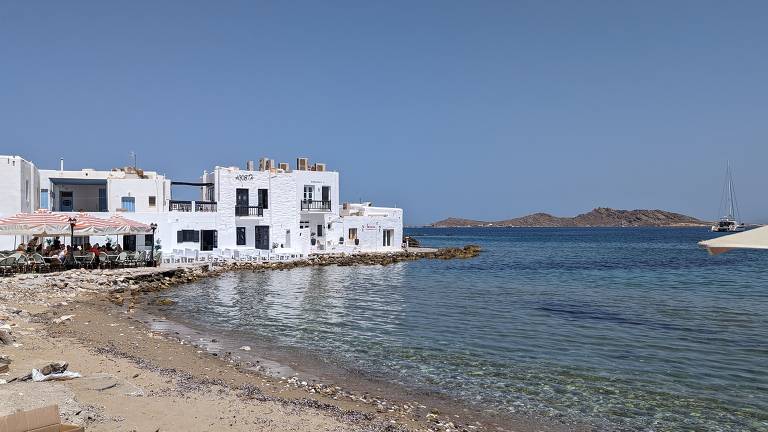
column 152, row 252
column 72, row 222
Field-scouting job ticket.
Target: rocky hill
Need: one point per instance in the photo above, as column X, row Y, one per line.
column 599, row 217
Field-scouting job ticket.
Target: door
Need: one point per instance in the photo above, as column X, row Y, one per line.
column 241, row 198
column 262, row 237
column 102, row 200
column 387, row 238
column 129, row 243
column 326, row 193
column 209, row 240
column 264, row 198
column 66, row 201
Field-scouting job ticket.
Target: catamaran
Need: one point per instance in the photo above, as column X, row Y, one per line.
column 729, row 222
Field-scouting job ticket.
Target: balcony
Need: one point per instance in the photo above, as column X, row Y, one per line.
column 205, row 206
column 187, row 206
column 315, row 205
column 249, row 211
column 179, row 206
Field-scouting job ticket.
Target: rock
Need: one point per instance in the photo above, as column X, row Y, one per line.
column 62, row 319
column 6, row 338
column 164, row 302
column 245, row 348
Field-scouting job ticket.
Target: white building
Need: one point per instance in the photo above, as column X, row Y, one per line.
column 269, row 208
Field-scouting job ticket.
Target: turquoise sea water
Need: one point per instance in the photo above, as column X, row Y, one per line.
column 623, row 329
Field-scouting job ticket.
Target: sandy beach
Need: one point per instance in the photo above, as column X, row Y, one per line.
column 136, row 379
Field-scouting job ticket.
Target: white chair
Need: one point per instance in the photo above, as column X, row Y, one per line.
column 190, row 255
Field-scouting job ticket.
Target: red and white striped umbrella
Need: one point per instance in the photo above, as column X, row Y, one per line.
column 39, row 223
column 91, row 225
column 46, row 223
column 132, row 226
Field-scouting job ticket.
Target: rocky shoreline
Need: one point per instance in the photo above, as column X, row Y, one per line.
column 59, row 301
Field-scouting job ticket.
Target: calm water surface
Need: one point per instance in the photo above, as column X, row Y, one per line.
column 624, row 329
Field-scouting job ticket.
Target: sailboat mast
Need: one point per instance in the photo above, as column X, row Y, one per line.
column 730, row 192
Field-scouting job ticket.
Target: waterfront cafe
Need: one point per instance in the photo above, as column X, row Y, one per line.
column 42, row 227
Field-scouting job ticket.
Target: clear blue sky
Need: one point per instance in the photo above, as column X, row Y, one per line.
column 446, row 108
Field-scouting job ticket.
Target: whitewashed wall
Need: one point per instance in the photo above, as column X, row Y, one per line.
column 140, row 190
column 282, row 216
column 20, row 183
column 318, row 179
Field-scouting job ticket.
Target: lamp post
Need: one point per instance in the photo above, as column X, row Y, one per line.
column 72, row 222
column 152, row 252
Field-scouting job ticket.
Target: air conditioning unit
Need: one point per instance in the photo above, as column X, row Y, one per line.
column 284, row 166
column 319, row 167
column 302, row 164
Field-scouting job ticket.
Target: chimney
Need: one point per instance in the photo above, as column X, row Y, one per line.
column 61, row 164
column 249, row 165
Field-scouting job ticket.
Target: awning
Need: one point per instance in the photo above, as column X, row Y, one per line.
column 753, row 239
column 44, row 223
column 131, row 226
column 39, row 223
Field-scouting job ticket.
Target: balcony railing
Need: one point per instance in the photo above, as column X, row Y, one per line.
column 249, row 211
column 205, row 206
column 188, row 206
column 315, row 205
column 180, row 206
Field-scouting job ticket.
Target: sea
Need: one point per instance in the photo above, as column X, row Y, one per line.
column 635, row 329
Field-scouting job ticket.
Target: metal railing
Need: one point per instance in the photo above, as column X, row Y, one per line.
column 180, row 206
column 189, row 206
column 249, row 211
column 205, row 206
column 318, row 205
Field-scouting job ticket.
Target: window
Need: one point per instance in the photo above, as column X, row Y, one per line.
column 129, row 242
column 128, row 204
column 27, row 193
column 43, row 198
column 320, row 230
column 241, row 236
column 309, row 192
column 303, row 224
column 352, row 234
column 209, row 193
column 264, row 198
column 188, row 236
column 149, row 240
column 387, row 237
column 103, row 200
column 152, row 201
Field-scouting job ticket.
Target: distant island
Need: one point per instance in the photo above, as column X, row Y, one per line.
column 599, row 217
